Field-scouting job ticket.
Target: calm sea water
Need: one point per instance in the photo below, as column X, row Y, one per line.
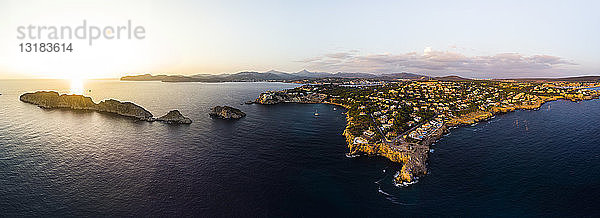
column 280, row 160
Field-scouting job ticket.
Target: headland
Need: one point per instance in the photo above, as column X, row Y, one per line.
column 401, row 120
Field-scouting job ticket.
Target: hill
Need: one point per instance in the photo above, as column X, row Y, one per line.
column 452, row 78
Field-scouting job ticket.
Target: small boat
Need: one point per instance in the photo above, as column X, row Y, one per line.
column 316, row 113
column 335, row 109
column 249, row 102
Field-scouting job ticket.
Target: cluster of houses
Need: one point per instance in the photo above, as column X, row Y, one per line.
column 426, row 129
column 445, row 98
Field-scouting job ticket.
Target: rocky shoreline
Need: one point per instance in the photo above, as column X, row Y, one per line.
column 477, row 116
column 412, row 156
column 53, row 100
column 413, row 161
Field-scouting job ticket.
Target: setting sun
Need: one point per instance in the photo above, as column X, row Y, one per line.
column 76, row 87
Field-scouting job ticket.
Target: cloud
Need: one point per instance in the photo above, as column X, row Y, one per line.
column 438, row 63
column 339, row 55
column 427, row 50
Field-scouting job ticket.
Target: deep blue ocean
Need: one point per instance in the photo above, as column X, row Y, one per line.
column 280, row 161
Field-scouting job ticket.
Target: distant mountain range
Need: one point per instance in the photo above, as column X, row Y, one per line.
column 271, row 75
column 274, row 75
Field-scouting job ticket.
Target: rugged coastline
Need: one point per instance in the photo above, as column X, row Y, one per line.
column 413, row 155
column 53, row 100
column 478, row 116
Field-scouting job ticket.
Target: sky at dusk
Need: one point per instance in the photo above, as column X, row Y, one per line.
column 477, row 39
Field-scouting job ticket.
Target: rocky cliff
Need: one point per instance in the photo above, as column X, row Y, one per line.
column 51, row 99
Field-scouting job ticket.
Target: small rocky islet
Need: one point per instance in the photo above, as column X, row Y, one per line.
column 174, row 116
column 54, row 100
column 226, row 113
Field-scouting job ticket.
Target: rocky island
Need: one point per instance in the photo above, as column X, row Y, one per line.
column 174, row 116
column 401, row 120
column 226, row 113
column 52, row 100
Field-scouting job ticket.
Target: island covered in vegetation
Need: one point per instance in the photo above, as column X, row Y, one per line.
column 401, row 119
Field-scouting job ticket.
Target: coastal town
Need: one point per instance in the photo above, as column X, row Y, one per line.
column 400, row 119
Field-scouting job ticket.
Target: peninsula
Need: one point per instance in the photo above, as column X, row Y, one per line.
column 400, row 120
column 51, row 100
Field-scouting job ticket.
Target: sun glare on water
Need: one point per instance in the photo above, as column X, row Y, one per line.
column 76, row 87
